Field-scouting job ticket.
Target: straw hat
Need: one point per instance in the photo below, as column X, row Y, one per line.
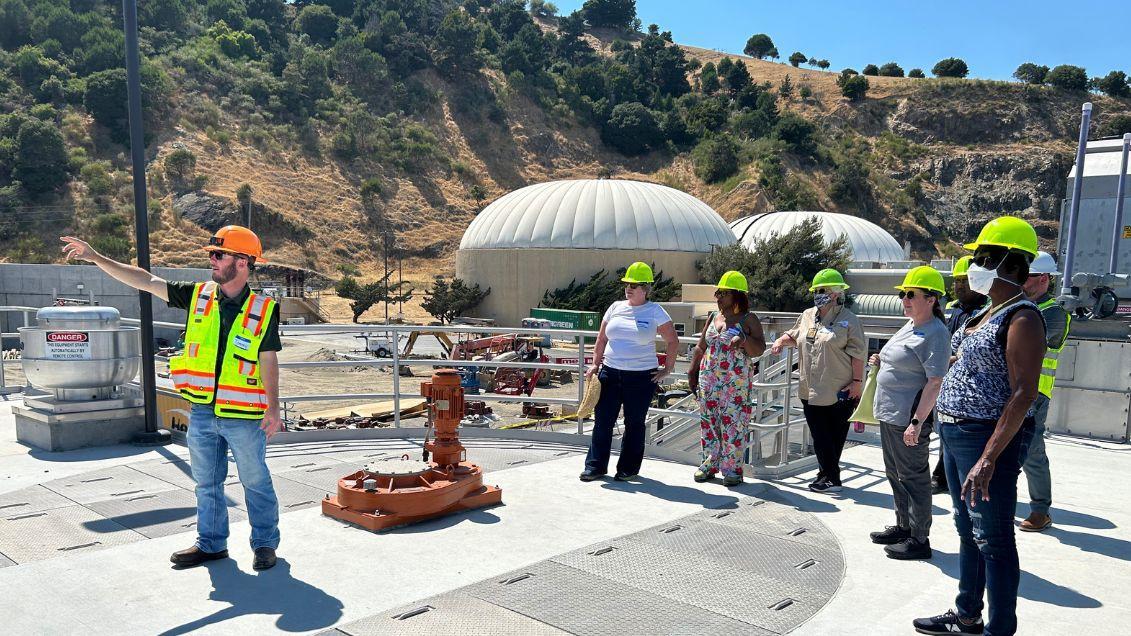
column 589, row 400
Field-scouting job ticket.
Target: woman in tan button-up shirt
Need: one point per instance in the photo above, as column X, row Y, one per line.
column 832, row 348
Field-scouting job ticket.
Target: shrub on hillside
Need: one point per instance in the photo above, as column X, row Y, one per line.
column 851, row 85
column 871, row 70
column 1068, row 77
column 797, row 133
column 1116, row 126
column 632, row 129
column 40, row 159
column 951, row 67
column 1031, row 73
column 1114, row 84
column 823, row 65
column 916, row 73
column 317, row 21
column 715, row 158
column 781, row 265
column 180, row 168
column 891, row 69
column 798, row 58
column 610, row 14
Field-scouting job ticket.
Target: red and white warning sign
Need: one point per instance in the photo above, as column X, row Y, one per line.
column 68, row 345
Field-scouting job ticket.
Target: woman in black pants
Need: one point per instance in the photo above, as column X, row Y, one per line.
column 832, row 349
column 624, row 361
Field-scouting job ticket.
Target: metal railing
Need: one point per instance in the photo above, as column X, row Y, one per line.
column 773, row 396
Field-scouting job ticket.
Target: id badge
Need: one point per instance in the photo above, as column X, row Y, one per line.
column 812, row 334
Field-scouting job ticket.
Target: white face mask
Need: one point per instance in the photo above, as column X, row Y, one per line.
column 981, row 279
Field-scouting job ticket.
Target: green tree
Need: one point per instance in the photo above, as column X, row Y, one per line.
column 57, row 23
column 542, row 9
column 871, row 70
column 715, row 158
column 104, row 97
column 1068, row 77
column 1114, row 84
column 738, row 78
column 916, row 73
column 41, row 160
column 891, row 69
column 950, row 67
column 709, row 79
column 632, row 129
column 180, row 168
column 16, row 18
column 850, row 185
column 852, row 86
column 610, row 14
column 97, row 178
column 786, row 87
column 102, row 48
column 447, row 300
column 798, row 58
column 797, row 132
column 602, row 289
column 33, row 67
column 231, row 12
column 457, row 42
column 760, row 46
column 1031, row 73
column 168, row 15
column 823, row 65
column 782, row 264
column 1115, row 126
column 319, row 22
column 362, row 297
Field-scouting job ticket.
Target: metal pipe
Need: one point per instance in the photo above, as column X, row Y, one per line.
column 1074, row 206
column 1117, row 231
column 580, row 380
column 396, row 380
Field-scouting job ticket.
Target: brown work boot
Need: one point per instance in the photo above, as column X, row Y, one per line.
column 194, row 556
column 1036, row 522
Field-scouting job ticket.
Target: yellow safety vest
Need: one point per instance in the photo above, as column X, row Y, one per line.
column 239, row 393
column 1052, row 356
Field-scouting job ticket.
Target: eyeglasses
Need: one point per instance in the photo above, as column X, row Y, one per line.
column 632, row 285
column 988, row 261
column 909, row 295
column 825, row 290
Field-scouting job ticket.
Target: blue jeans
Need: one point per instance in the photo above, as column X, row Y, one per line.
column 987, row 554
column 209, row 439
column 633, row 390
column 1037, row 462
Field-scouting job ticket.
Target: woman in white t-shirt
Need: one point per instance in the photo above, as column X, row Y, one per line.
column 625, row 362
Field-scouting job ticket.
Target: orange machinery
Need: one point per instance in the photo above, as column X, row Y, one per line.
column 397, row 492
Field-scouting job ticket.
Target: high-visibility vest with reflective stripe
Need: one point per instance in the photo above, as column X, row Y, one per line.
column 1052, row 356
column 238, row 392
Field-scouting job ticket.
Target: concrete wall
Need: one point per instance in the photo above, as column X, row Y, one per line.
column 518, row 277
column 39, row 285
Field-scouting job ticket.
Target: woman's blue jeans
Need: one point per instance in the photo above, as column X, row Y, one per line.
column 209, row 439
column 987, row 555
column 634, row 391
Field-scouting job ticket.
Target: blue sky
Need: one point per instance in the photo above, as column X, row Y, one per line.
column 992, row 36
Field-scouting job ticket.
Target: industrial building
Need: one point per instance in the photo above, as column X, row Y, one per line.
column 544, row 236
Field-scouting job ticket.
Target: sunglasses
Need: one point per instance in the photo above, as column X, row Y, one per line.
column 825, row 290
column 219, row 255
column 988, row 261
column 719, row 293
column 632, row 285
column 910, row 295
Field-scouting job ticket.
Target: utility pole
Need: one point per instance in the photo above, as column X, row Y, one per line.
column 400, row 283
column 386, row 236
column 151, row 436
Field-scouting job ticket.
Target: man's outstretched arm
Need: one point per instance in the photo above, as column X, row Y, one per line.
column 135, row 277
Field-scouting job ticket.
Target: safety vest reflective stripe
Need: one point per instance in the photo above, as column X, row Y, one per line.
column 246, row 368
column 241, row 397
column 193, row 350
column 205, row 300
column 253, row 319
column 1051, row 361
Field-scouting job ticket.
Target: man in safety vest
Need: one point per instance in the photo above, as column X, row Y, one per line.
column 229, row 371
column 1057, row 323
column 966, row 303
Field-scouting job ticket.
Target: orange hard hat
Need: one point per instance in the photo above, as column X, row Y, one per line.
column 236, row 239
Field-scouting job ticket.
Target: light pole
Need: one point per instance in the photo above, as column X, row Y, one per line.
column 152, row 435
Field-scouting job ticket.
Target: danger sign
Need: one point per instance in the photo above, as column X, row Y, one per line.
column 68, row 345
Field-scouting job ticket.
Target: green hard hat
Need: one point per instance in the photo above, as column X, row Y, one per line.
column 638, row 273
column 1009, row 232
column 962, row 266
column 828, row 278
column 923, row 277
column 733, row 280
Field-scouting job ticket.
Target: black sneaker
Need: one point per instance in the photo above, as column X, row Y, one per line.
column 910, row 549
column 825, row 486
column 590, row 475
column 938, row 487
column 890, row 535
column 948, row 623
column 622, row 476
column 264, row 559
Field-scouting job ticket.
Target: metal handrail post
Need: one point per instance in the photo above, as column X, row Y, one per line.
column 396, row 378
column 787, row 409
column 581, row 368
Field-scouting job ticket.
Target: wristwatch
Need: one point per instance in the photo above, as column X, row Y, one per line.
column 915, row 421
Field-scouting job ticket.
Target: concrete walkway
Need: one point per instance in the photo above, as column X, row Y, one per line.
column 1076, row 575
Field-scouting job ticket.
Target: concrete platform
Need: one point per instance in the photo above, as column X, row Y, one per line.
column 335, row 577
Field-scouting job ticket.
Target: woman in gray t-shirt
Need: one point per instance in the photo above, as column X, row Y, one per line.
column 912, row 365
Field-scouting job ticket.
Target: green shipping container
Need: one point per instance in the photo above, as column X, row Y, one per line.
column 569, row 319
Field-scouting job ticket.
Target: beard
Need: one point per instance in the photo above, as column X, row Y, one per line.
column 225, row 274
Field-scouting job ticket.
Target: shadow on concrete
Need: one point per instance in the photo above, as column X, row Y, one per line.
column 139, row 521
column 1063, row 517
column 1095, row 543
column 1033, row 587
column 794, row 499
column 301, row 606
column 90, row 454
column 481, row 516
column 682, row 494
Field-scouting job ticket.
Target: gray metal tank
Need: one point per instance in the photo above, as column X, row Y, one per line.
column 80, row 353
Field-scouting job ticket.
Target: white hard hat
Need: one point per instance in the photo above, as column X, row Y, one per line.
column 1044, row 264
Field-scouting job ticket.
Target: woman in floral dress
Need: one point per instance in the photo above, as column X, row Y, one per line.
column 721, row 374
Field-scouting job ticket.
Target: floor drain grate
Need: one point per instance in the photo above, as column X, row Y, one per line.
column 413, row 612
column 806, row 564
column 671, row 529
column 516, row 579
column 782, row 604
column 797, row 532
column 601, row 551
column 79, row 546
column 28, row 516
